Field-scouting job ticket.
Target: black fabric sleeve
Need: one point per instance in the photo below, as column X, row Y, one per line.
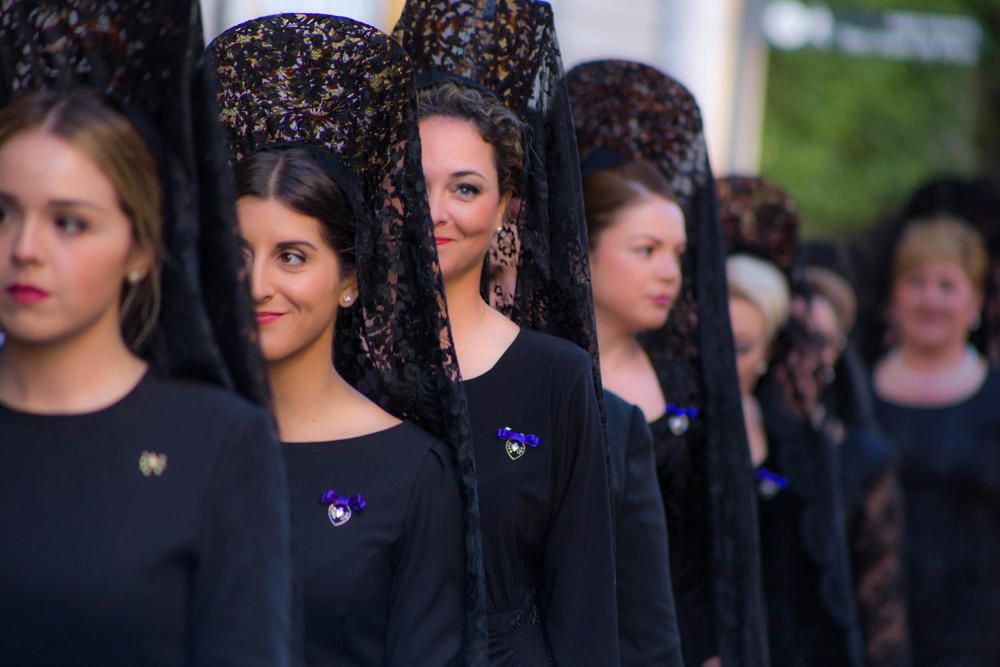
column 241, row 588
column 876, row 544
column 682, row 482
column 428, row 590
column 579, row 607
column 647, row 620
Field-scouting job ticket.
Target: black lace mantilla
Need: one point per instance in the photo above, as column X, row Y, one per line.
column 147, row 57
column 639, row 113
column 760, row 218
column 539, row 271
column 346, row 90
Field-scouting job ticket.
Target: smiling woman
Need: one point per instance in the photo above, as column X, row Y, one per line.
column 538, row 467
column 302, row 268
column 339, row 249
column 936, row 398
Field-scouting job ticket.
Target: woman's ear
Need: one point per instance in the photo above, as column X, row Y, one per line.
column 508, row 208
column 348, row 290
column 139, row 263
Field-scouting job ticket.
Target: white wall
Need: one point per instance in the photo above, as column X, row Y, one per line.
column 222, row 14
column 695, row 41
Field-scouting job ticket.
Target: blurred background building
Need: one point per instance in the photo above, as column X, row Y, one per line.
column 848, row 103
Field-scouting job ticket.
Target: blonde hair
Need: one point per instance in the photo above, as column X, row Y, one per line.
column 90, row 124
column 942, row 238
column 762, row 284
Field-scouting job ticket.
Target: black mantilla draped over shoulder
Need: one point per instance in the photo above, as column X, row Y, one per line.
column 344, row 91
column 538, row 268
column 194, row 568
column 812, row 616
column 141, row 53
column 635, row 112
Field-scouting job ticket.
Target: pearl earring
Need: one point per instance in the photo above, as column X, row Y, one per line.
column 133, row 277
column 347, row 299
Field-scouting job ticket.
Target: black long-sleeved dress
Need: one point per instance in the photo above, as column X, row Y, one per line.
column 812, row 616
column 382, row 585
column 873, row 510
column 152, row 532
column 546, row 511
column 647, row 620
column 949, row 470
column 681, row 472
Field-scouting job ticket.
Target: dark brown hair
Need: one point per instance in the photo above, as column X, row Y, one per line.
column 607, row 191
column 89, row 123
column 499, row 126
column 296, row 178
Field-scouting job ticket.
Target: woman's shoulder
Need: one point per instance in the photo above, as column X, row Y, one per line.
column 550, row 351
column 183, row 399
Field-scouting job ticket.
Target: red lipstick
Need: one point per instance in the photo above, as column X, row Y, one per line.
column 27, row 294
column 440, row 240
column 267, row 318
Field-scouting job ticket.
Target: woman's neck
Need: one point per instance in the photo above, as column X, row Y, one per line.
column 627, row 370
column 929, row 378
column 305, row 385
column 466, row 308
column 83, row 373
column 930, row 360
column 481, row 334
column 618, row 347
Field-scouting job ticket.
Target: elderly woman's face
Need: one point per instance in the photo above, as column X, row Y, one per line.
column 935, row 305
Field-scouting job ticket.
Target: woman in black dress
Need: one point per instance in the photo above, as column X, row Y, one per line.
column 338, row 241
column 812, row 615
column 540, row 449
column 637, row 237
column 937, row 397
column 873, row 507
column 625, row 114
column 146, row 518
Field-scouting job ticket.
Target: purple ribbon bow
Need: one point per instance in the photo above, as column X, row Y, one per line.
column 765, row 475
column 529, row 439
column 355, row 502
column 672, row 409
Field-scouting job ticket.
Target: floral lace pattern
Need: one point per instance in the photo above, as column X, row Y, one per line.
column 759, row 218
column 148, row 59
column 538, row 271
column 346, row 90
column 639, row 113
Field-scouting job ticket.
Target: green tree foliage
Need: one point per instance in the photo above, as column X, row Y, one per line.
column 852, row 137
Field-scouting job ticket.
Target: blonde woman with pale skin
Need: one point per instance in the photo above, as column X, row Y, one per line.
column 937, row 399
column 758, row 307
